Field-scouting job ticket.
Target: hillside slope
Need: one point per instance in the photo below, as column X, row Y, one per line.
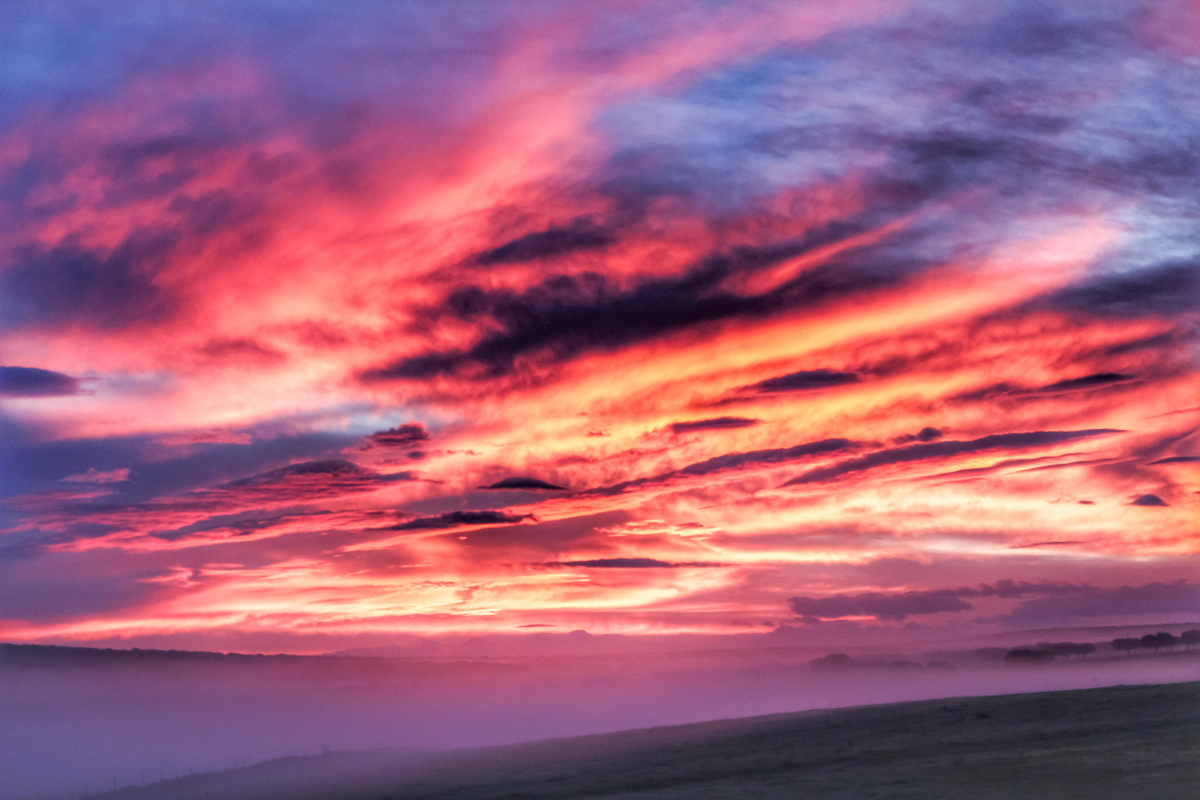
column 1118, row 742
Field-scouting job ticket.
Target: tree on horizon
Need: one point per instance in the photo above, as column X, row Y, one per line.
column 1127, row 644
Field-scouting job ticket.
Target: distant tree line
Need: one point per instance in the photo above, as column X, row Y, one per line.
column 1040, row 653
column 841, row 661
column 1044, row 652
column 1157, row 641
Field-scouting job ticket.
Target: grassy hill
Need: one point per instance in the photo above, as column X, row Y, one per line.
column 1119, row 742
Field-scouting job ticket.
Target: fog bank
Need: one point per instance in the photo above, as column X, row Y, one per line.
column 73, row 728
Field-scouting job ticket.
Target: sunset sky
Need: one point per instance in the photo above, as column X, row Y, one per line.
column 326, row 324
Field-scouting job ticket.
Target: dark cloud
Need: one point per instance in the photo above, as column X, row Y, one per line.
column 804, row 381
column 1011, row 588
column 1163, row 290
column 328, row 468
column 772, row 456
column 1151, row 500
column 900, row 605
column 631, row 563
column 1160, row 341
column 1086, row 382
column 454, row 519
column 69, row 284
column 30, row 465
column 923, row 435
column 242, row 523
column 940, row 450
column 1011, row 392
column 34, row 382
column 733, row 461
column 523, row 483
column 894, row 607
column 1176, row 460
column 1151, row 598
column 580, row 235
column 718, row 423
column 306, row 481
column 405, row 435
column 565, row 315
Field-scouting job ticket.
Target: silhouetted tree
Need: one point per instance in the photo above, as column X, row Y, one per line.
column 1190, row 638
column 1160, row 639
column 1128, row 645
column 1166, row 640
column 1061, row 649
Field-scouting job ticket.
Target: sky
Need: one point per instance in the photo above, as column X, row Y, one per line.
column 326, row 325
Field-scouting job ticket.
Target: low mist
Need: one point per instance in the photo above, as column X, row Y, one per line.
column 73, row 728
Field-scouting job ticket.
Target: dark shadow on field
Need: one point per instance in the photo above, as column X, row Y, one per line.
column 1116, row 742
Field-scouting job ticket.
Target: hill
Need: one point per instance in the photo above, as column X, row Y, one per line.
column 1116, row 742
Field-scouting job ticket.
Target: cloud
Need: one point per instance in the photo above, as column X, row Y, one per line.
column 34, row 382
column 1009, row 391
column 771, row 456
column 328, row 468
column 405, row 435
column 901, row 605
column 718, row 423
column 565, row 315
column 944, row 450
column 730, row 461
column 1152, row 598
column 804, row 381
column 97, row 476
column 631, row 563
column 1163, row 290
column 306, row 481
column 240, row 349
column 1086, row 382
column 923, row 435
column 242, row 523
column 580, row 235
column 455, row 519
column 1149, row 500
column 1176, row 460
column 69, row 284
column 1011, row 588
column 892, row 607
column 523, row 483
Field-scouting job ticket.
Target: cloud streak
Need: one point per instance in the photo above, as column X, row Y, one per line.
column 944, row 450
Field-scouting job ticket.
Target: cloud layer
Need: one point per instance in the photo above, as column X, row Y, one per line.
column 647, row 318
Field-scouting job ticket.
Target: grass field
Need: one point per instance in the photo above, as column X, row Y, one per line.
column 1128, row 742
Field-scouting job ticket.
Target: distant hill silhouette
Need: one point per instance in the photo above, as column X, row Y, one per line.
column 45, row 655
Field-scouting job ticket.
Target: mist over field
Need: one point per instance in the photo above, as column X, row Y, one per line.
column 73, row 727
